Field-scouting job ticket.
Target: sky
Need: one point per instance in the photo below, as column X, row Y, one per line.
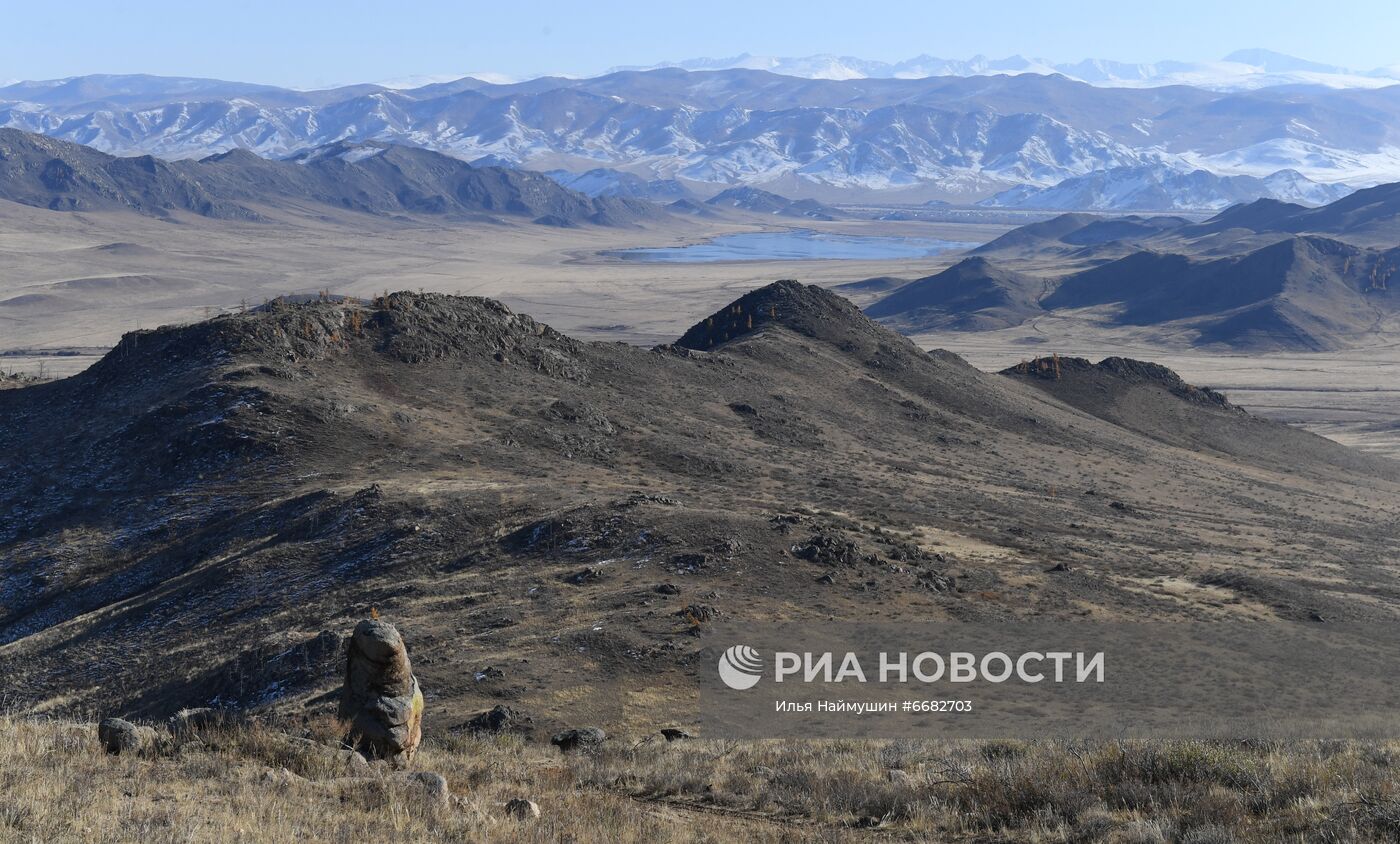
column 310, row 43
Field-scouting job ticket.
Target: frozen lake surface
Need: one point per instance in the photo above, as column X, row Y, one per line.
column 794, row 245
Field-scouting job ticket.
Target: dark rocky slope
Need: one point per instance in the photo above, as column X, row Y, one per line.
column 530, row 509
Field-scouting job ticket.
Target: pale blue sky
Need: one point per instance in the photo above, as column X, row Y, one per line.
column 313, row 43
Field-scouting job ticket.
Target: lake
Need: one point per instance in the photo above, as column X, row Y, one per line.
column 793, row 245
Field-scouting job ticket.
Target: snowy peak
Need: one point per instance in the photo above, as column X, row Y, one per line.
column 1163, row 188
column 1241, row 70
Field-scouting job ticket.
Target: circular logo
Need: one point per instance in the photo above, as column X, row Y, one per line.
column 740, row 667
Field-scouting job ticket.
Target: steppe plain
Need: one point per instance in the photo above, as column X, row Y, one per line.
column 72, row 283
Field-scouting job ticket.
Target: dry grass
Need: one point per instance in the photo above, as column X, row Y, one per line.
column 255, row 784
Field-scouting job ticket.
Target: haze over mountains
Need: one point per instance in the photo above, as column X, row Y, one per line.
column 946, row 137
column 1240, row 70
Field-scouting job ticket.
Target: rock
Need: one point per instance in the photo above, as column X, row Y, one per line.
column 381, row 701
column 937, row 582
column 826, row 579
column 828, row 549
column 699, row 613
column 1058, row 567
column 588, row 575
column 432, row 785
column 500, row 719
column 522, row 809
column 282, row 778
column 118, row 736
column 689, row 562
column 675, row 734
column 668, row 589
column 581, row 738
column 352, row 760
column 189, row 724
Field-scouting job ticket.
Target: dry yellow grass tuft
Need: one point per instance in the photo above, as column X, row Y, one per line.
column 258, row 784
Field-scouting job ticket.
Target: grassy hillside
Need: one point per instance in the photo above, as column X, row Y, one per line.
column 257, row 783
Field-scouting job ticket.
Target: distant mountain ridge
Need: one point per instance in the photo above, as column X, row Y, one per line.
column 601, row 181
column 1266, row 275
column 945, row 137
column 374, row 178
column 765, row 202
column 1162, row 188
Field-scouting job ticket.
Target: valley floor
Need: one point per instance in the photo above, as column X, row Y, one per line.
column 72, row 284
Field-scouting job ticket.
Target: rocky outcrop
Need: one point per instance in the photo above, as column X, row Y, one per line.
column 581, row 738
column 381, row 702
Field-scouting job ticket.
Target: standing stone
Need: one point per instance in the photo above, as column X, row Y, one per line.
column 381, row 702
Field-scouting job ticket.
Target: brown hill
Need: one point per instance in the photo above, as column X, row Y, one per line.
column 182, row 520
column 972, row 295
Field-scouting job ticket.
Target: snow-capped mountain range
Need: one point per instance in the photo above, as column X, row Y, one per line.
column 902, row 140
column 1242, row 70
column 1163, row 188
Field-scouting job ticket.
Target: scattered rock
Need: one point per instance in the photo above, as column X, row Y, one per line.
column 191, row 748
column 191, row 723
column 433, row 786
column 500, row 719
column 727, row 547
column 522, row 809
column 581, row 738
column 636, row 498
column 381, row 699
column 938, row 582
column 689, row 562
column 699, row 613
column 282, row 778
column 351, row 759
column 675, row 734
column 588, row 575
column 827, row 549
column 119, row 736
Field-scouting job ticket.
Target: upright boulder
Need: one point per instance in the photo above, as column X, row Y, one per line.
column 381, row 703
